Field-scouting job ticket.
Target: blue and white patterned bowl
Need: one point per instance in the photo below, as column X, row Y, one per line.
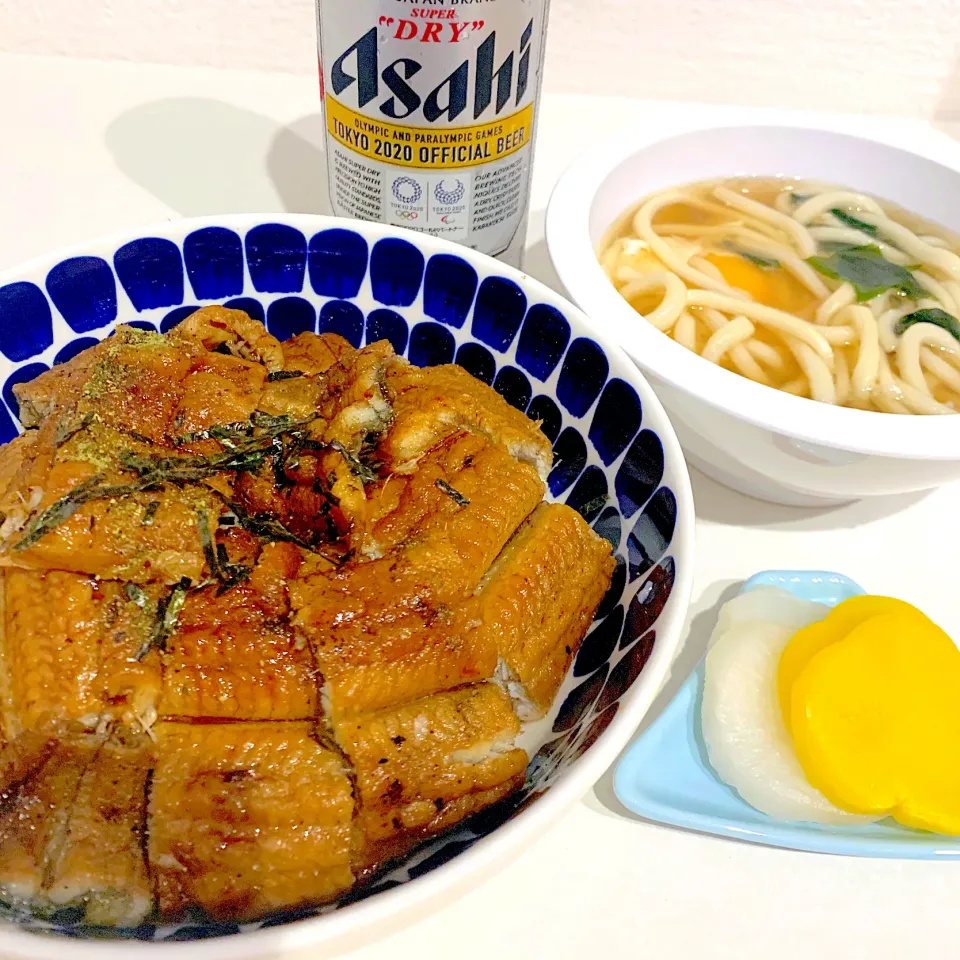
column 617, row 461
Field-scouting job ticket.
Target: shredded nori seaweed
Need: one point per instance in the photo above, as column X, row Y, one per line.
column 453, row 493
column 168, row 612
column 357, row 467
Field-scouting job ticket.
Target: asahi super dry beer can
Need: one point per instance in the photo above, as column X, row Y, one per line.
column 431, row 111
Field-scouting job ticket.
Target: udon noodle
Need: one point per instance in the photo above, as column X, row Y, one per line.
column 810, row 288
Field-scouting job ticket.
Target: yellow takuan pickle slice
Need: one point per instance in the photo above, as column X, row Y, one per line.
column 876, row 721
column 835, row 626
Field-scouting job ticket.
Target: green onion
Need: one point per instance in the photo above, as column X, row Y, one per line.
column 849, row 220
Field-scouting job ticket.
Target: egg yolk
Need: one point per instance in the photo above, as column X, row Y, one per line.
column 835, row 626
column 875, row 719
column 771, row 286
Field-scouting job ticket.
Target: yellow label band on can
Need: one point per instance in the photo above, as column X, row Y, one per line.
column 429, row 149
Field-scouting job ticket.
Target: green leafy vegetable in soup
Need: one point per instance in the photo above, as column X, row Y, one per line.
column 937, row 317
column 868, row 271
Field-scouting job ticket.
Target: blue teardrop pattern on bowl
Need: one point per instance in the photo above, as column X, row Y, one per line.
column 151, row 273
column 590, row 494
column 652, row 533
column 569, row 459
column 514, row 387
column 205, row 931
column 554, row 748
column 609, row 526
column 640, row 472
column 430, row 345
column 449, row 287
column 8, row 426
column 396, row 272
column 648, row 602
column 344, row 318
column 615, row 421
column 543, row 340
column 582, row 376
column 248, row 305
column 26, row 322
column 478, row 362
column 84, row 290
column 599, row 644
column 292, row 284
column 337, row 263
column 24, row 374
column 544, row 409
column 498, row 312
column 594, row 731
column 628, row 668
column 580, row 700
column 551, row 759
column 74, row 347
column 289, row 316
column 444, row 855
column 618, row 583
column 213, row 257
column 384, row 324
column 276, row 258
column 176, row 316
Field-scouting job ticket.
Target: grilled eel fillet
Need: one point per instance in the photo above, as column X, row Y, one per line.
column 139, row 397
column 394, row 629
column 424, row 766
column 132, row 396
column 246, row 819
column 537, row 601
column 72, row 822
column 431, row 403
column 37, row 800
column 234, row 655
column 100, row 864
column 242, row 803
column 69, row 648
column 48, row 524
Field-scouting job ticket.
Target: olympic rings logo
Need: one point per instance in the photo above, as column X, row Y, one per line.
column 407, row 214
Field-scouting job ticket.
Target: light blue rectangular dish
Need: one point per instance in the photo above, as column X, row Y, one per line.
column 665, row 776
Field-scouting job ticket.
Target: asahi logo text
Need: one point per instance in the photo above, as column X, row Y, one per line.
column 359, row 67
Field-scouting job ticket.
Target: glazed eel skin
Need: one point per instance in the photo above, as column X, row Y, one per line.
column 271, row 614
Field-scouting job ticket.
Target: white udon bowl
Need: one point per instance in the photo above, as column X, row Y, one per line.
column 755, row 439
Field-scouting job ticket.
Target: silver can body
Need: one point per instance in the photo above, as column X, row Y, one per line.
column 430, row 111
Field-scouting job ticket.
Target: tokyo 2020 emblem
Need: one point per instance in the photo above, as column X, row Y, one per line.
column 407, row 190
column 447, row 194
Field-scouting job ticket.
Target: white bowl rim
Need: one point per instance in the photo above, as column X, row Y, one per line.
column 575, row 261
column 503, row 843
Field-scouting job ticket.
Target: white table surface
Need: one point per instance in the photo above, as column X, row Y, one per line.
column 89, row 147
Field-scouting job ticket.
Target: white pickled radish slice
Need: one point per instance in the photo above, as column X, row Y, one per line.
column 771, row 605
column 747, row 742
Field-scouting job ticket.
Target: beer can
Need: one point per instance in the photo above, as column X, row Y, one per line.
column 430, row 109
